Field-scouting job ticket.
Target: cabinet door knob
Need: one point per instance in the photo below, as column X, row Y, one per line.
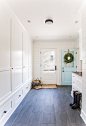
column 5, row 112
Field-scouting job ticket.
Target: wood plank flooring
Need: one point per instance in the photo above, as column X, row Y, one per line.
column 46, row 107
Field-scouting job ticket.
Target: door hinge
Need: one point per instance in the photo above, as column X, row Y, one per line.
column 76, row 52
column 76, row 66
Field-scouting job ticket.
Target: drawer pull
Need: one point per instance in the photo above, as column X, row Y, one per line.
column 19, row 95
column 26, row 87
column 73, row 76
column 73, row 82
column 5, row 112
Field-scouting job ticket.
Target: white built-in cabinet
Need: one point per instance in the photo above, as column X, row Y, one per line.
column 76, row 83
column 15, row 64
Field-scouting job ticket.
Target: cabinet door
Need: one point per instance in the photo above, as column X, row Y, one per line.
column 5, row 70
column 5, row 25
column 17, row 45
column 25, row 59
column 30, row 59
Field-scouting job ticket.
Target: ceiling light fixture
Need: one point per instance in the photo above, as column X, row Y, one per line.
column 49, row 21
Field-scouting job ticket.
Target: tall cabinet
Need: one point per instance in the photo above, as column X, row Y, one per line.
column 15, row 63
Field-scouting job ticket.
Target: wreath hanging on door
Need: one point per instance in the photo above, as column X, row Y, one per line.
column 68, row 58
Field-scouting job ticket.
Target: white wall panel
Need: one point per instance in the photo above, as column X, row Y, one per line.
column 25, row 74
column 83, row 113
column 30, row 72
column 30, row 53
column 18, row 44
column 25, row 58
column 25, row 51
column 5, row 26
column 84, row 40
column 18, row 77
column 5, row 83
column 84, row 67
column 77, row 43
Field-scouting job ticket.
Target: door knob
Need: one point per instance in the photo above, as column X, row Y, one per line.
column 62, row 69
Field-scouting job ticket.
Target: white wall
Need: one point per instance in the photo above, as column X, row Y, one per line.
column 15, row 62
column 77, row 43
column 83, row 113
column 37, row 45
column 77, row 55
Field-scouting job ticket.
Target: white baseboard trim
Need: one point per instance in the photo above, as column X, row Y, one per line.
column 59, row 83
column 83, row 116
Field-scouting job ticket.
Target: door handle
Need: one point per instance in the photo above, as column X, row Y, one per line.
column 55, row 68
column 62, row 69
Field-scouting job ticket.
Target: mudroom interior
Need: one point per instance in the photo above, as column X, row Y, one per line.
column 42, row 62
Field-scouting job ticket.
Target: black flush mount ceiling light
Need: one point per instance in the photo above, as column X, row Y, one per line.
column 49, row 21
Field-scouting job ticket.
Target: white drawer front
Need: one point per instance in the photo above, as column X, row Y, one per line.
column 75, row 87
column 5, row 109
column 26, row 88
column 18, row 97
column 30, row 84
column 77, row 76
column 78, row 84
column 73, row 80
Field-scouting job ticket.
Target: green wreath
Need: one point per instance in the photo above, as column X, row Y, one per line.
column 66, row 58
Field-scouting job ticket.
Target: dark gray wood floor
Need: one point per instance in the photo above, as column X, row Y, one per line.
column 46, row 107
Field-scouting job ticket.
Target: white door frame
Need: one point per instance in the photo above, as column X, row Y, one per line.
column 57, row 51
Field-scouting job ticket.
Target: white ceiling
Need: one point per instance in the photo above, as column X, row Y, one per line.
column 63, row 12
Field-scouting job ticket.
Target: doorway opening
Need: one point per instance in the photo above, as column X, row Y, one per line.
column 48, row 66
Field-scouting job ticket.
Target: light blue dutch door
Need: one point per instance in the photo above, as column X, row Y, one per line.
column 68, row 68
